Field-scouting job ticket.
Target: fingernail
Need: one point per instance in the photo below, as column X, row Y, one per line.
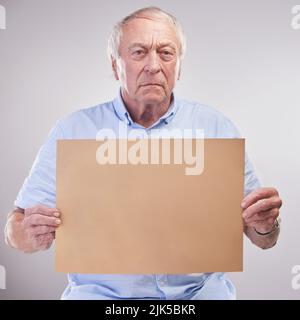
column 243, row 205
column 57, row 221
column 56, row 214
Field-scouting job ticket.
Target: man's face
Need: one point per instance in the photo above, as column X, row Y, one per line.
column 149, row 61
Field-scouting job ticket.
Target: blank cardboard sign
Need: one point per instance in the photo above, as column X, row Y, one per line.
column 139, row 218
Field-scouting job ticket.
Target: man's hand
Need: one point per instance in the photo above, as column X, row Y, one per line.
column 260, row 211
column 261, row 208
column 32, row 230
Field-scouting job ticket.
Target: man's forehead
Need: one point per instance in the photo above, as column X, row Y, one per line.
column 143, row 28
column 151, row 16
column 146, row 21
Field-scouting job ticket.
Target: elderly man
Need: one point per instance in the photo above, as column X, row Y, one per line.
column 146, row 49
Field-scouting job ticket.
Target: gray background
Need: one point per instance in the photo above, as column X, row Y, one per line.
column 242, row 58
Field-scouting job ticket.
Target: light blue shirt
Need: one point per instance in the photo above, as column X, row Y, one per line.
column 39, row 188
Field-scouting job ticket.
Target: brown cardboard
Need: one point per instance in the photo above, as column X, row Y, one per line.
column 139, row 219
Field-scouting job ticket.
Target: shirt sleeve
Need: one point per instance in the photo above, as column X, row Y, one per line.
column 40, row 185
column 251, row 181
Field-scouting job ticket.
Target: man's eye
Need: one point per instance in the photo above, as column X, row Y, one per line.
column 138, row 52
column 167, row 54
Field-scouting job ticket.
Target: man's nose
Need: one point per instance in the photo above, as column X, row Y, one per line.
column 152, row 63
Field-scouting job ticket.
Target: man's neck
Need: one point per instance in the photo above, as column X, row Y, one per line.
column 146, row 114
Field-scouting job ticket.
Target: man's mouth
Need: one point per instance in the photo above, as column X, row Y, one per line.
column 151, row 84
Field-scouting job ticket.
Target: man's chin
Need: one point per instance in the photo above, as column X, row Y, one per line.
column 153, row 99
column 153, row 96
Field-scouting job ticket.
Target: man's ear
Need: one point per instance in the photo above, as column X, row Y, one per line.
column 114, row 68
column 179, row 72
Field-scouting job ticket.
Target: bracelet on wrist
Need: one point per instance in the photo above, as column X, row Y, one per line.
column 275, row 227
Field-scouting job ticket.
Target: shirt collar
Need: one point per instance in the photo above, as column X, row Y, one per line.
column 123, row 114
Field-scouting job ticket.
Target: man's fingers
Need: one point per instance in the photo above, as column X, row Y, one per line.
column 40, row 230
column 261, row 206
column 42, row 210
column 257, row 195
column 262, row 224
column 263, row 216
column 41, row 220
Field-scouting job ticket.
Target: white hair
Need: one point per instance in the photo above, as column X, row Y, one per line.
column 116, row 34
